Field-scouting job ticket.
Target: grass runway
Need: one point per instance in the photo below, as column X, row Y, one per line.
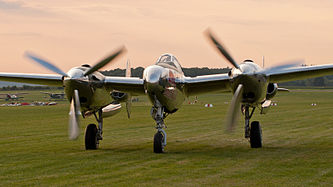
column 297, row 146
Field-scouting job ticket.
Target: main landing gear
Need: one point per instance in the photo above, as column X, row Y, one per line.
column 94, row 134
column 160, row 138
column 253, row 132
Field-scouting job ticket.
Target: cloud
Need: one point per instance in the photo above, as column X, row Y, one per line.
column 18, row 7
column 10, row 5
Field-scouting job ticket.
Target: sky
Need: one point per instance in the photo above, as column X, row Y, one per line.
column 72, row 33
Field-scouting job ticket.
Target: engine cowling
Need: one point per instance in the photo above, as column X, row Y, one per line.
column 119, row 96
column 272, row 89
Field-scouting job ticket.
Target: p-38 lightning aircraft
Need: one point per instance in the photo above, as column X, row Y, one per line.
column 166, row 87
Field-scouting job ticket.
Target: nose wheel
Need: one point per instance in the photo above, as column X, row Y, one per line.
column 252, row 132
column 159, row 142
column 94, row 134
column 255, row 135
column 91, row 141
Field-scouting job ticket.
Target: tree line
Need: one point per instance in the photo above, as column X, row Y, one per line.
column 189, row 72
column 28, row 87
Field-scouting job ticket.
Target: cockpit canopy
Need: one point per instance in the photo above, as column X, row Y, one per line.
column 169, row 61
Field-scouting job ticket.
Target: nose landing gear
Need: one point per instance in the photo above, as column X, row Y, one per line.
column 93, row 134
column 160, row 138
column 253, row 132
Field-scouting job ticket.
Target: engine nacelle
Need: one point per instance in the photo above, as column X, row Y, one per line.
column 119, row 96
column 272, row 88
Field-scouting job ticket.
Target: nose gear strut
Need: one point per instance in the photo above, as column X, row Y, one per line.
column 252, row 132
column 160, row 138
column 246, row 111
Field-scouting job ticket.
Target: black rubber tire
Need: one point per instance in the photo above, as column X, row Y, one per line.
column 91, row 137
column 255, row 135
column 158, row 140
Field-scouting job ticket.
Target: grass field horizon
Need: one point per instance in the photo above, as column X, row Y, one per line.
column 297, row 146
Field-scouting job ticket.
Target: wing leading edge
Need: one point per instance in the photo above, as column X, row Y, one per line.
column 131, row 85
column 193, row 85
column 42, row 79
column 221, row 82
column 298, row 73
column 125, row 84
column 206, row 83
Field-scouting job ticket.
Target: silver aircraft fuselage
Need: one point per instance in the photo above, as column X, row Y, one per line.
column 161, row 86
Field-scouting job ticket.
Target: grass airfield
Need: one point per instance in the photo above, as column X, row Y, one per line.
column 297, row 146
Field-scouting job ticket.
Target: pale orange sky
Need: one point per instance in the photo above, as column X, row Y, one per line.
column 71, row 33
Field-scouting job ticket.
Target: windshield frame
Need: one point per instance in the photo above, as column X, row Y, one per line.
column 171, row 63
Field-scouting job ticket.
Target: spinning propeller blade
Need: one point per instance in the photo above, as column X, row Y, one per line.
column 74, row 114
column 284, row 66
column 105, row 61
column 234, row 109
column 45, row 64
column 221, row 49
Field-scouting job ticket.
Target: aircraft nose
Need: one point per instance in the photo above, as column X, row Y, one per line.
column 152, row 74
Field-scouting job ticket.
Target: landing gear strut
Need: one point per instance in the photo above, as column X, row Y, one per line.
column 94, row 134
column 160, row 138
column 253, row 132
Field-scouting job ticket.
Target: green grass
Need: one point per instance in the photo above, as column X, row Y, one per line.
column 297, row 140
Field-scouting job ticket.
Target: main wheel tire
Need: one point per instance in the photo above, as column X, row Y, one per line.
column 158, row 143
column 91, row 141
column 255, row 135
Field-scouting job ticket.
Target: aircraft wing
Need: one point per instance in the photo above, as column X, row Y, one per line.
column 206, row 83
column 131, row 85
column 43, row 79
column 298, row 73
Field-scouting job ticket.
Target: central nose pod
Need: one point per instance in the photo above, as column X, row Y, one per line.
column 153, row 74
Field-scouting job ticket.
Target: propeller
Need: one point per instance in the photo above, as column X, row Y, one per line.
column 105, row 61
column 50, row 66
column 221, row 49
column 74, row 114
column 75, row 110
column 45, row 63
column 284, row 66
column 234, row 109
